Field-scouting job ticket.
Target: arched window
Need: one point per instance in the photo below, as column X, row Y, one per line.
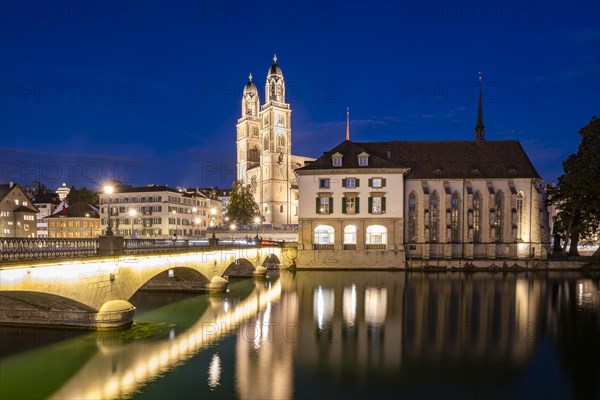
column 280, row 144
column 412, row 217
column 324, row 234
column 350, row 234
column 253, row 155
column 433, row 217
column 376, row 237
column 499, row 206
column 454, row 218
column 520, row 202
column 476, row 217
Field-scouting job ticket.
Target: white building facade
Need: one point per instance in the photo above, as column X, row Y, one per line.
column 158, row 212
column 393, row 204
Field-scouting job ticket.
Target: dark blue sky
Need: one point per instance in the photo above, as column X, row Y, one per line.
column 149, row 91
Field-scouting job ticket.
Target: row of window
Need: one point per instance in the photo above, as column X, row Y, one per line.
column 363, row 160
column 324, row 235
column 351, row 183
column 351, row 205
column 474, row 217
column 74, row 224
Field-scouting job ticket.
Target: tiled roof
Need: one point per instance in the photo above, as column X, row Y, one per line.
column 78, row 209
column 436, row 159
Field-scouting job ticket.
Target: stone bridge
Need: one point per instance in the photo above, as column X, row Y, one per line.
column 94, row 292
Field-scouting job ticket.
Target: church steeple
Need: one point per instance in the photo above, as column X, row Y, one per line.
column 347, row 123
column 479, row 127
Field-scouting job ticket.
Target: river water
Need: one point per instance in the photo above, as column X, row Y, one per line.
column 325, row 334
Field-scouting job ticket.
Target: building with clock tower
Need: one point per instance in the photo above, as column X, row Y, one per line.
column 264, row 150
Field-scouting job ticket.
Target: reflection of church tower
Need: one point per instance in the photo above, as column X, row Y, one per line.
column 264, row 147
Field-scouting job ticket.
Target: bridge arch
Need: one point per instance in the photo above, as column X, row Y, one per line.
column 102, row 287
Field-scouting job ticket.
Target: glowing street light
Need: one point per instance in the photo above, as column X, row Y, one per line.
column 109, row 190
column 132, row 214
column 175, row 219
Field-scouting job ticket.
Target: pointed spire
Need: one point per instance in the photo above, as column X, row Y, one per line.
column 480, row 128
column 275, row 58
column 250, row 76
column 347, row 123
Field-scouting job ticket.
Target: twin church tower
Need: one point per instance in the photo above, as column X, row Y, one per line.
column 264, row 150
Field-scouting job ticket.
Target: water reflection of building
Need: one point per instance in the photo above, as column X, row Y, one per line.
column 383, row 321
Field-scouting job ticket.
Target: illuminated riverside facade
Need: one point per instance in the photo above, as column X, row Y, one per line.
column 374, row 204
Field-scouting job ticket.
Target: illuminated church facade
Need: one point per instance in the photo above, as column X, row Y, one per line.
column 264, row 150
column 402, row 203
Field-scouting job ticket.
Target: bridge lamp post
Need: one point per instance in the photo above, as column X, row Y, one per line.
column 132, row 214
column 196, row 223
column 213, row 212
column 195, row 219
column 175, row 219
column 109, row 190
column 232, row 227
column 256, row 221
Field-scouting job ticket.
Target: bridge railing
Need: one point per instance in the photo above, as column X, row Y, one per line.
column 140, row 246
column 15, row 249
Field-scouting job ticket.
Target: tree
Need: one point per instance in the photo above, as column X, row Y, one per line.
column 577, row 195
column 242, row 207
column 83, row 194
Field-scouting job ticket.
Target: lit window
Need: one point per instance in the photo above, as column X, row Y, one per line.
column 324, row 234
column 17, row 201
column 350, row 205
column 476, row 218
column 350, row 234
column 377, row 182
column 454, row 233
column 377, row 205
column 520, row 198
column 376, row 234
column 324, row 205
column 433, row 217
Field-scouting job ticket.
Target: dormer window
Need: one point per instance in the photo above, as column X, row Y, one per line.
column 363, row 160
column 336, row 160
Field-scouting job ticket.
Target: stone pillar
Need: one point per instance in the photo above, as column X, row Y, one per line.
column 110, row 245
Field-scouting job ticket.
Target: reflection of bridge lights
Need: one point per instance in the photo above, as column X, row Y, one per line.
column 172, row 334
column 226, row 306
column 158, row 358
column 214, row 372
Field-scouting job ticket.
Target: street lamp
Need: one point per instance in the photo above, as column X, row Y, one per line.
column 213, row 212
column 196, row 223
column 194, row 210
column 175, row 219
column 132, row 214
column 232, row 227
column 256, row 221
column 109, row 190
